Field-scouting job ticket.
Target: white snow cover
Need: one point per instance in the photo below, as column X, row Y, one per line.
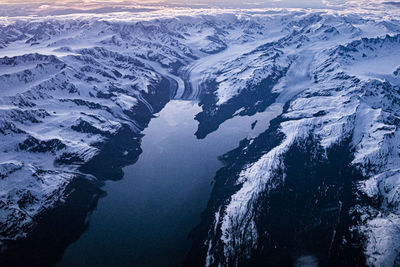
column 59, row 73
column 68, row 82
column 359, row 100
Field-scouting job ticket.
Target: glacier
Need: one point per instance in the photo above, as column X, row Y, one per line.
column 69, row 85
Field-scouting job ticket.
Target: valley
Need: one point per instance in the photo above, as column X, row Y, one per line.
column 125, row 134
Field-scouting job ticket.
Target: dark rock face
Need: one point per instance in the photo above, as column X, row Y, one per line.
column 309, row 210
column 123, row 148
column 225, row 186
column 212, row 115
column 31, row 144
column 57, row 228
column 310, row 214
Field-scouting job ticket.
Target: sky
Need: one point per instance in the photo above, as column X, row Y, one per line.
column 62, row 7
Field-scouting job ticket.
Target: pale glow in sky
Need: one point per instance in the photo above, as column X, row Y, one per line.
column 62, row 7
column 145, row 2
column 83, row 2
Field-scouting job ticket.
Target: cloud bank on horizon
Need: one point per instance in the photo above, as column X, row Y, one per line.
column 12, row 8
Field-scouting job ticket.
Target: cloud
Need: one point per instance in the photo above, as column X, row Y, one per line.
column 45, row 8
column 10, row 8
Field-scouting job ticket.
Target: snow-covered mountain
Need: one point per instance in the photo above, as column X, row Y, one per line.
column 71, row 87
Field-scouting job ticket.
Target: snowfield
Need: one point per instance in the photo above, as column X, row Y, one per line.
column 69, row 84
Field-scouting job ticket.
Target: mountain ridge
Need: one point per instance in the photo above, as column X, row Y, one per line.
column 80, row 83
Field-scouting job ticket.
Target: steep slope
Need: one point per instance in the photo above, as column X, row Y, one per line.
column 326, row 171
column 320, row 185
column 60, row 116
column 73, row 91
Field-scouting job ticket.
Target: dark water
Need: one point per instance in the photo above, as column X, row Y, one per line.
column 145, row 218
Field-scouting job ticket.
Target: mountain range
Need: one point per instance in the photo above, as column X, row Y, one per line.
column 322, row 180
